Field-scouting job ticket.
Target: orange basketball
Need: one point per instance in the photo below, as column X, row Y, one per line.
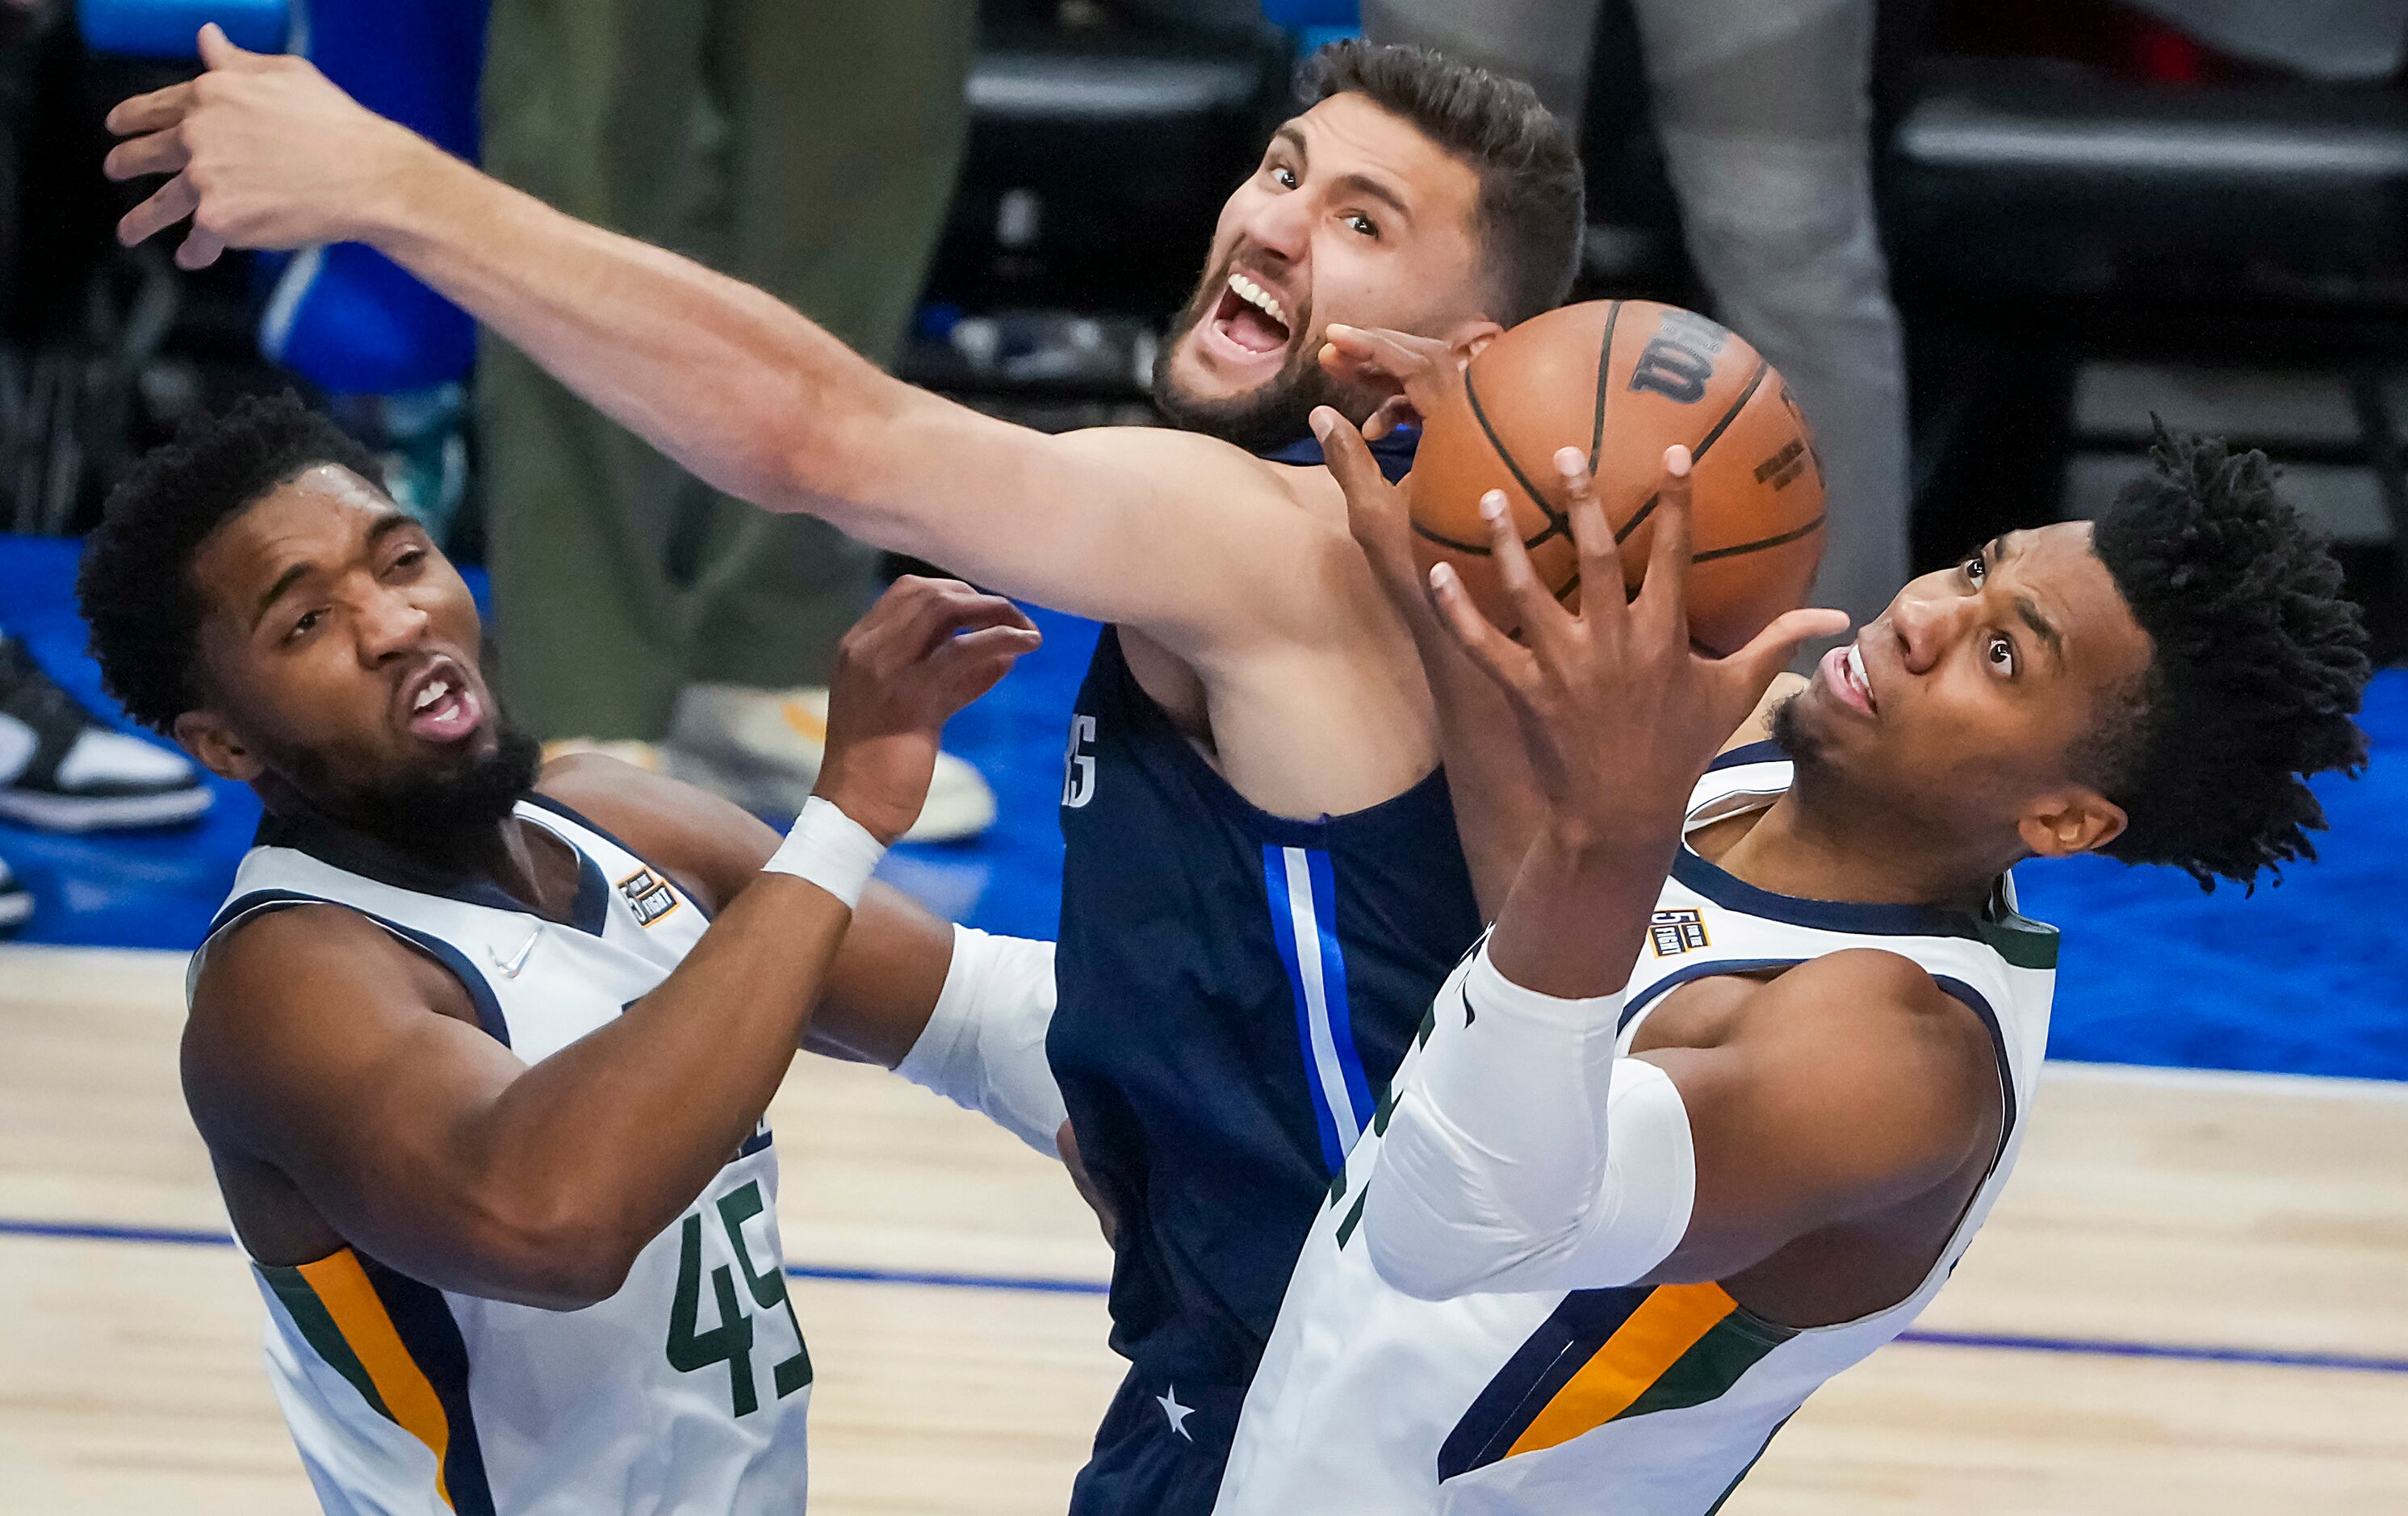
column 1622, row 380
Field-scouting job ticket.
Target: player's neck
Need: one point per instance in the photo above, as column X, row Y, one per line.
column 1815, row 848
column 521, row 861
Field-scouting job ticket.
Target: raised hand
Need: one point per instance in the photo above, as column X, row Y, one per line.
column 1619, row 712
column 266, row 152
column 1420, row 371
column 929, row 647
column 1376, row 511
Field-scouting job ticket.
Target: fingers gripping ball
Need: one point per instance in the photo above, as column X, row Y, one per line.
column 1622, row 380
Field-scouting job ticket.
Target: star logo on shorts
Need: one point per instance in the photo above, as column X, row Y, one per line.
column 1177, row 1413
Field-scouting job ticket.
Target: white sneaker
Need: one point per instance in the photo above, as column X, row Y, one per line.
column 62, row 769
column 761, row 749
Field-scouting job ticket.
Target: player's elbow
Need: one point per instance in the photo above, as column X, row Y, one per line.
column 573, row 1280
column 1422, row 1273
column 1422, row 1253
column 800, row 462
column 555, row 1259
column 818, row 454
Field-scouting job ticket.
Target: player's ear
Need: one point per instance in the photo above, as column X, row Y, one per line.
column 215, row 747
column 2074, row 820
column 1468, row 337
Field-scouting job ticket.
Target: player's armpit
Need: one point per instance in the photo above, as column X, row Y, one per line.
column 1847, row 1085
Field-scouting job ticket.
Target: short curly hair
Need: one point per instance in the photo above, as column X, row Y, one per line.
column 2258, row 666
column 137, row 588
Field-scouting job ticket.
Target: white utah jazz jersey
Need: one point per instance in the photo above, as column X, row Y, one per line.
column 1638, row 1401
column 684, row 1391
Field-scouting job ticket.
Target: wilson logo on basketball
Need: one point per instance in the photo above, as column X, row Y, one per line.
column 1680, row 363
column 1622, row 380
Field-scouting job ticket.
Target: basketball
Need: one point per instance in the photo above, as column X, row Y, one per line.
column 1622, row 381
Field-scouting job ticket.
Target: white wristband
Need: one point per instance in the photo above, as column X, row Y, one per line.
column 830, row 849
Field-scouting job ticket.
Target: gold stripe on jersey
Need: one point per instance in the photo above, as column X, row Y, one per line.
column 1607, row 1355
column 342, row 1286
column 1672, row 1321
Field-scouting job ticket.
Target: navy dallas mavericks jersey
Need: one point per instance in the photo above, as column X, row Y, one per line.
column 1234, row 990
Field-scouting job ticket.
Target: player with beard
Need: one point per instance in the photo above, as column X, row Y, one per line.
column 1263, row 885
column 483, row 1094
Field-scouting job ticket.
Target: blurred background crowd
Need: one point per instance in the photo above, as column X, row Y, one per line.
column 1984, row 242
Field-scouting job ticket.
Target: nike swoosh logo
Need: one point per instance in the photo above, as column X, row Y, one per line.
column 516, row 963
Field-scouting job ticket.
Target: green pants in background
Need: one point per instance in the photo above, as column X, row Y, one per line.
column 809, row 147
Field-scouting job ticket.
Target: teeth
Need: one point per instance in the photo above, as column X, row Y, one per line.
column 430, row 695
column 1258, row 297
column 1855, row 659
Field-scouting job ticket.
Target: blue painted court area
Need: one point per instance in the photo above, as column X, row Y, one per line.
column 2308, row 976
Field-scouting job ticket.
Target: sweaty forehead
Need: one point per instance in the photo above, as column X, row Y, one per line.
column 2071, row 585
column 1352, row 133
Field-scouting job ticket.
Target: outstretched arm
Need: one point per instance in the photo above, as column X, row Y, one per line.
column 431, row 1145
column 1160, row 529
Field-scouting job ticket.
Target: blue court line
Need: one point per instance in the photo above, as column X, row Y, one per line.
column 947, row 1281
column 180, row 1237
column 2275, row 1357
column 2005, row 1342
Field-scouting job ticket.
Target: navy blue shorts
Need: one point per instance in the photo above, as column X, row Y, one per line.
column 1158, row 1459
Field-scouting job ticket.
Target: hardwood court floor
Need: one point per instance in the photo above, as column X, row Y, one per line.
column 2265, row 1216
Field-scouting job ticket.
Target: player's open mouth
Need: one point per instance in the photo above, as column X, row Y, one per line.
column 1250, row 317
column 1844, row 670
column 438, row 705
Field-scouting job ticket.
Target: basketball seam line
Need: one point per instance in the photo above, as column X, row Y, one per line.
column 1807, row 530
column 1810, row 528
column 1604, row 383
column 1561, row 525
column 1736, row 406
column 1555, row 520
column 1753, row 381
column 1444, row 541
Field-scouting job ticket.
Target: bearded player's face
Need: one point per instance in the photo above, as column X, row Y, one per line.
column 1354, row 216
column 339, row 663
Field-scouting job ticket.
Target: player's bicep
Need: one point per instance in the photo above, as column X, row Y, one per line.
column 1811, row 1114
column 1154, row 528
column 317, row 1047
